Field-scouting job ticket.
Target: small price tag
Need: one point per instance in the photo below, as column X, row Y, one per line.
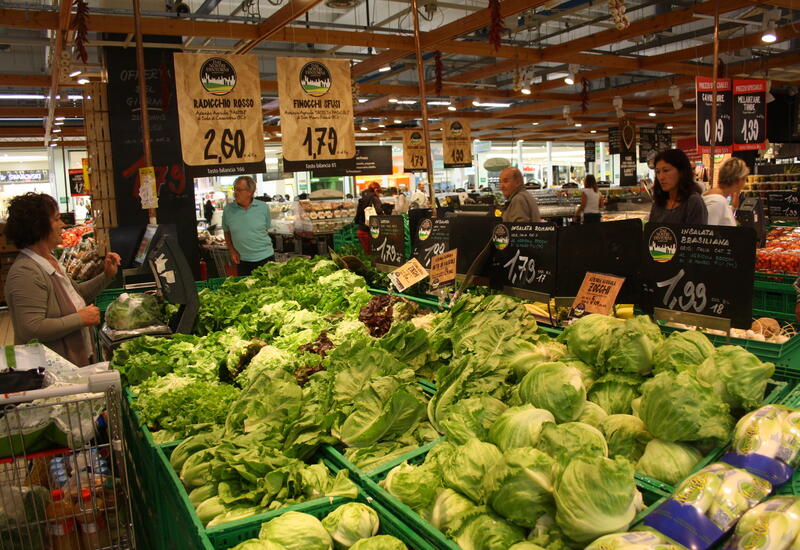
column 147, row 187
column 410, row 273
column 443, row 269
column 597, row 294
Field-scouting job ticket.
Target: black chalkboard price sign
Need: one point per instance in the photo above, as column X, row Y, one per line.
column 700, row 270
column 387, row 240
column 524, row 257
column 432, row 238
column 784, row 204
column 614, row 140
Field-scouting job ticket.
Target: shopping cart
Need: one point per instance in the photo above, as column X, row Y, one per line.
column 222, row 259
column 63, row 477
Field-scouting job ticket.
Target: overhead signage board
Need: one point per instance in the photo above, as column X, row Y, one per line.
column 627, row 136
column 370, row 160
column 647, row 144
column 219, row 112
column 749, row 115
column 699, row 270
column 597, row 294
column 25, row 176
column 588, row 151
column 614, row 140
column 76, row 187
column 627, row 170
column 663, row 138
column 524, row 257
column 704, row 90
column 457, row 144
column 415, row 155
column 613, row 248
column 316, row 107
column 432, row 239
column 387, row 240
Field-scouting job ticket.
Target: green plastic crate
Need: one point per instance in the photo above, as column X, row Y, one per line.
column 652, row 497
column 389, row 523
column 776, row 277
column 774, row 299
column 332, row 454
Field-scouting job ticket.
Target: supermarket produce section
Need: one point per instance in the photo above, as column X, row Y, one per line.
column 308, row 410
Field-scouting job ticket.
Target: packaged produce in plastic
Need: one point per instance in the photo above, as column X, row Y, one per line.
column 772, row 525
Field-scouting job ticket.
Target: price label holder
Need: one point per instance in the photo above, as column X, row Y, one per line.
column 387, row 242
column 693, row 319
column 432, row 238
column 597, row 294
column 783, row 204
column 524, row 260
column 470, row 235
column 443, row 270
column 409, row 274
column 699, row 271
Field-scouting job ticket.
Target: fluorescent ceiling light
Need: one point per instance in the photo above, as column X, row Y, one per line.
column 451, row 108
column 651, row 113
column 439, row 102
column 407, row 102
column 364, row 128
column 392, row 100
column 22, row 96
column 476, row 140
column 83, row 81
column 570, row 80
column 769, row 36
column 53, row 144
column 362, row 99
column 670, row 127
column 526, row 91
column 385, row 69
column 573, row 70
column 56, row 130
column 76, row 97
column 61, row 118
column 491, row 104
column 398, row 121
column 74, row 73
column 381, row 125
column 578, row 125
column 592, row 131
column 279, row 134
column 535, row 123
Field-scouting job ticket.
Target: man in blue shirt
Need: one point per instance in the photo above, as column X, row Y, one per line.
column 245, row 223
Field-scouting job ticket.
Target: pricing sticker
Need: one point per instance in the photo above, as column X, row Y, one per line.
column 443, row 269
column 409, row 274
column 147, row 187
column 597, row 294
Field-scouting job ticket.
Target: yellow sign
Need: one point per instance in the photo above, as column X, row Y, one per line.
column 443, row 269
column 147, row 187
column 415, row 155
column 87, row 187
column 597, row 294
column 457, row 144
column 316, row 106
column 219, row 108
column 408, row 274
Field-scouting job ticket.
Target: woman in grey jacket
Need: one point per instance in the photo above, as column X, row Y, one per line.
column 45, row 303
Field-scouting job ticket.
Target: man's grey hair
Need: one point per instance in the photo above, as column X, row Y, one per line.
column 251, row 183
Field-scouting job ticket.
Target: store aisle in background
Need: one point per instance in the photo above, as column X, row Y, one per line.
column 6, row 329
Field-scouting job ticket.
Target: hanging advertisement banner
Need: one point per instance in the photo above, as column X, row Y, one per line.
column 724, row 126
column 664, row 138
column 588, row 151
column 627, row 135
column 219, row 105
column 614, row 140
column 415, row 158
column 647, row 144
column 316, row 107
column 76, row 183
column 457, row 144
column 749, row 115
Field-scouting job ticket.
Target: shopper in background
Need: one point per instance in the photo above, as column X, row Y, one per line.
column 730, row 182
column 591, row 201
column 420, row 197
column 676, row 196
column 208, row 211
column 521, row 206
column 245, row 223
column 45, row 303
column 401, row 204
column 368, row 205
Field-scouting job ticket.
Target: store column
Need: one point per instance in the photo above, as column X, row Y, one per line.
column 175, row 191
column 549, row 160
column 602, row 160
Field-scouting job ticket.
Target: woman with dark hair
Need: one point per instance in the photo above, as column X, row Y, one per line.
column 45, row 303
column 591, row 201
column 676, row 197
column 370, row 199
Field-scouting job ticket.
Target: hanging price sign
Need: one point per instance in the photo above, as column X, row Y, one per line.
column 443, row 269
column 524, row 257
column 597, row 294
column 457, row 144
column 723, row 129
column 432, row 239
column 588, row 151
column 647, row 144
column 699, row 270
column 316, row 107
column 415, row 156
column 614, row 140
column 783, row 204
column 749, row 115
column 409, row 274
column 387, row 240
column 219, row 109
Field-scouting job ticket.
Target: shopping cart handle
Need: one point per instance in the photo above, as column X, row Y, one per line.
column 97, row 383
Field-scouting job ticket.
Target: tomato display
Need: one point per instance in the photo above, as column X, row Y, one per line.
column 782, row 252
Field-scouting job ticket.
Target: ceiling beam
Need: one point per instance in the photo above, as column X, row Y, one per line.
column 59, row 41
column 277, row 21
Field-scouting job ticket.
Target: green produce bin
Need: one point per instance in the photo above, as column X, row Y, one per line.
column 652, row 497
column 332, row 454
column 774, row 299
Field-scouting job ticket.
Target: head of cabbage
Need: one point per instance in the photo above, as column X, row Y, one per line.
column 297, row 531
column 668, row 461
column 681, row 351
column 350, row 523
column 525, row 492
column 626, row 436
column 555, row 387
column 519, row 427
column 565, row 442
